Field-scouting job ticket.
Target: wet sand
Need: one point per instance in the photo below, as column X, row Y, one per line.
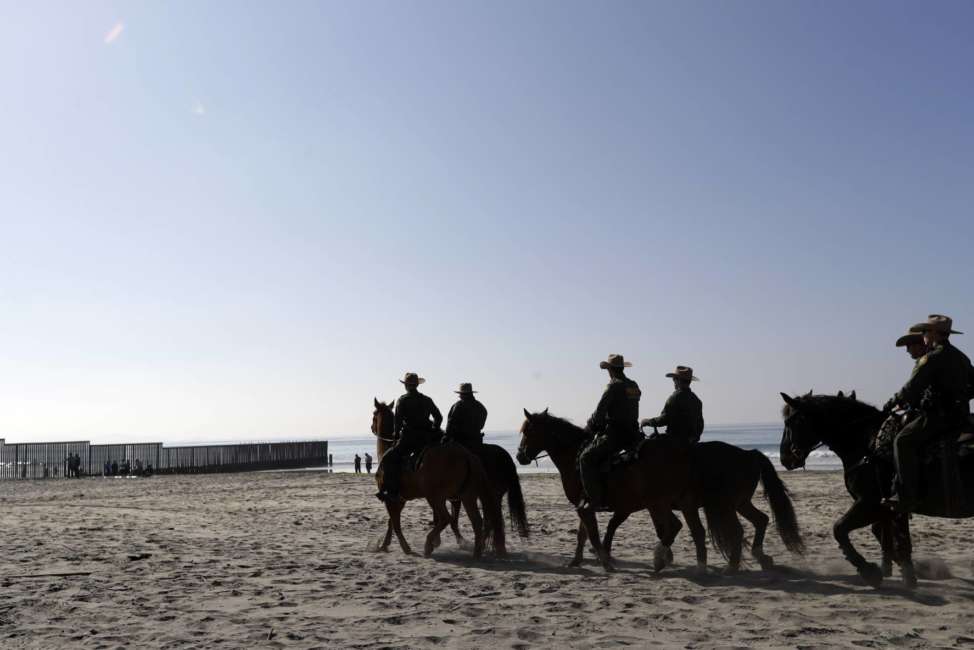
column 283, row 560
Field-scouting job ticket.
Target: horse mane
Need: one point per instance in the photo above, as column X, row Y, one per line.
column 562, row 427
column 840, row 408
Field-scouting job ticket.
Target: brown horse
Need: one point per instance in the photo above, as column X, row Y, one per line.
column 502, row 473
column 447, row 471
column 654, row 481
column 727, row 472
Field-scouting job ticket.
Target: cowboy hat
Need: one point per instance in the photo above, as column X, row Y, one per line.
column 911, row 338
column 466, row 388
column 936, row 323
column 682, row 372
column 615, row 361
column 412, row 379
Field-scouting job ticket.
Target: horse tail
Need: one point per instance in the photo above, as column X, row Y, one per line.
column 515, row 498
column 477, row 479
column 722, row 524
column 779, row 499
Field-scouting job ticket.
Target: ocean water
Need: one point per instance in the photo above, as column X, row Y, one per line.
column 763, row 437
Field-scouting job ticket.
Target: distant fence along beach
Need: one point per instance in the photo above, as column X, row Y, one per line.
column 33, row 460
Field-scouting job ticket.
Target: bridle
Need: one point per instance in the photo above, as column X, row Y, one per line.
column 377, row 434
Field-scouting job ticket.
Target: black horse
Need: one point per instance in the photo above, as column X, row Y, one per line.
column 846, row 426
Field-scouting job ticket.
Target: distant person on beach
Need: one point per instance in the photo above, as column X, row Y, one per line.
column 615, row 425
column 683, row 412
column 415, row 421
column 330, row 461
column 368, row 463
column 358, row 464
column 467, row 417
column 114, row 468
column 108, row 468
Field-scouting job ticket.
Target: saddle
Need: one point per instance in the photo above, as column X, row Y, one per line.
column 623, row 457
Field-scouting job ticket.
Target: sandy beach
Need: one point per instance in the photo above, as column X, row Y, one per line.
column 282, row 560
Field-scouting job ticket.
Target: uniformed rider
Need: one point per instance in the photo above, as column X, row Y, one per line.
column 467, row 417
column 416, row 422
column 683, row 412
column 615, row 425
column 939, row 389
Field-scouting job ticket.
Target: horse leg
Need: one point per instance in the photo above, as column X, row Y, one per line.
column 884, row 535
column 903, row 549
column 579, row 547
column 592, row 528
column 384, row 546
column 736, row 545
column 699, row 534
column 617, row 520
column 455, row 521
column 860, row 515
column 477, row 522
column 760, row 522
column 395, row 512
column 441, row 517
column 667, row 527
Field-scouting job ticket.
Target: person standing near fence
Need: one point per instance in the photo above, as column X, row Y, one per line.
column 368, row 463
column 358, row 464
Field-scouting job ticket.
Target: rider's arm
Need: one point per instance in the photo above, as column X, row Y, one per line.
column 437, row 416
column 919, row 381
column 451, row 421
column 661, row 420
column 481, row 417
column 597, row 422
column 397, row 421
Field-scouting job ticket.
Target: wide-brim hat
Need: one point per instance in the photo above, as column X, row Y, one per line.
column 911, row 338
column 465, row 389
column 682, row 372
column 614, row 361
column 412, row 379
column 936, row 323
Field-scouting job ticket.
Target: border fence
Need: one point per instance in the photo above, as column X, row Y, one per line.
column 37, row 460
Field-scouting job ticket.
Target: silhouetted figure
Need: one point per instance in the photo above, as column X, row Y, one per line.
column 114, row 468
column 615, row 425
column 331, row 462
column 466, row 420
column 358, row 464
column 368, row 463
column 683, row 412
column 416, row 419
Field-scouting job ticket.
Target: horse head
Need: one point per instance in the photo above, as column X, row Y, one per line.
column 382, row 420
column 841, row 422
column 543, row 432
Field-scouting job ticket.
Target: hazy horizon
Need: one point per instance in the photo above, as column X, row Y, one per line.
column 254, row 218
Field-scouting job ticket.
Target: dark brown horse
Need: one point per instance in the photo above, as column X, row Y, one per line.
column 448, row 471
column 846, row 426
column 729, row 473
column 655, row 481
column 502, row 473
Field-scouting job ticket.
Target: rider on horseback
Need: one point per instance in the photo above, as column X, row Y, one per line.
column 614, row 425
column 683, row 412
column 465, row 422
column 939, row 389
column 413, row 430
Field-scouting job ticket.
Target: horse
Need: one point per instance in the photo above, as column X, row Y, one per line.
column 721, row 470
column 503, row 476
column 653, row 481
column 447, row 471
column 846, row 426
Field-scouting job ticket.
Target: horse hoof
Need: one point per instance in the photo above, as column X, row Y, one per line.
column 887, row 568
column 662, row 557
column 872, row 574
column 909, row 576
column 732, row 570
column 573, row 563
column 766, row 562
column 702, row 568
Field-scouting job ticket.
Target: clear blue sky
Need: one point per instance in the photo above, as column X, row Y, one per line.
column 245, row 219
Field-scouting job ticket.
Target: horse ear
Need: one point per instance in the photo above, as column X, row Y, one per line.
column 809, row 393
column 790, row 401
column 526, row 414
column 545, row 410
column 852, row 395
column 376, row 400
column 841, row 394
